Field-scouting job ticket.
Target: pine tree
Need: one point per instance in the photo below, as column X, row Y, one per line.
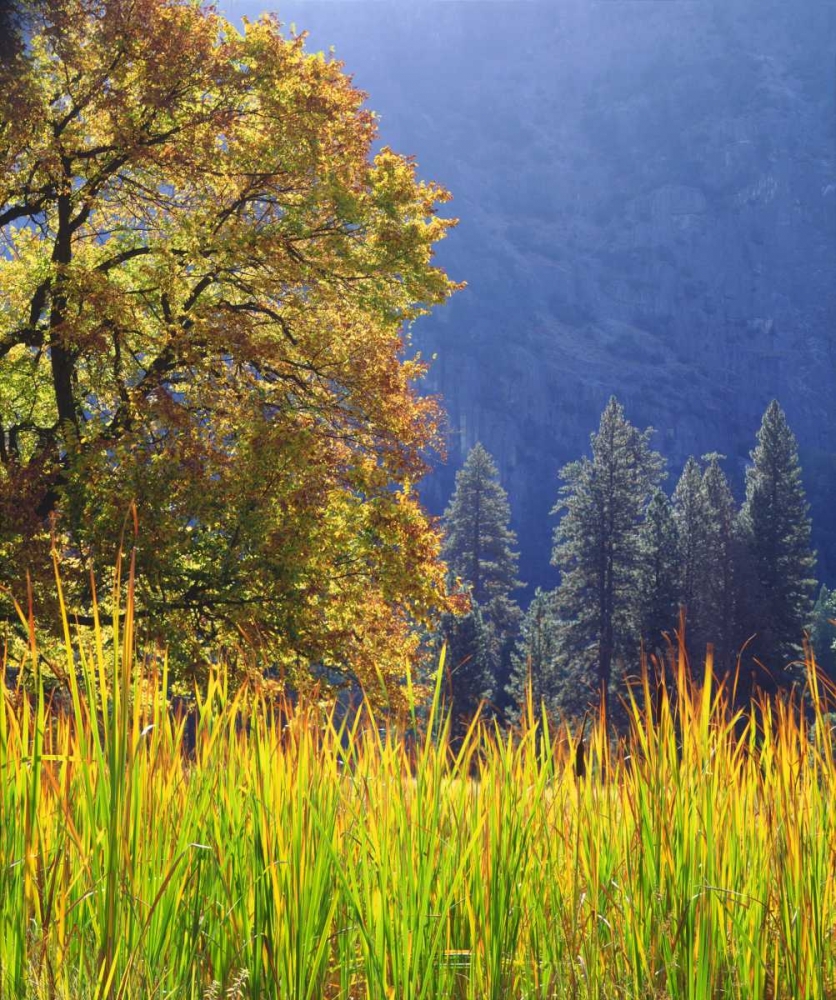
column 504, row 616
column 479, row 551
column 659, row 576
column 478, row 542
column 598, row 546
column 691, row 520
column 534, row 660
column 823, row 631
column 776, row 529
column 472, row 662
column 718, row 581
column 557, row 682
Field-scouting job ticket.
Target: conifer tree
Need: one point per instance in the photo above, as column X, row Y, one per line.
column 659, row 576
column 823, row 631
column 718, row 582
column 478, row 542
column 557, row 681
column 692, row 528
column 598, row 546
column 776, row 529
column 534, row 660
column 479, row 550
column 472, row 662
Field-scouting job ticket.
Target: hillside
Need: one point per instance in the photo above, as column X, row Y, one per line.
column 647, row 194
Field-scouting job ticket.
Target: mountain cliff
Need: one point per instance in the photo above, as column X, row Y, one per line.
column 647, row 194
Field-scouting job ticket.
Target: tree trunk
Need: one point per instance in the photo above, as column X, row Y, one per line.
column 61, row 358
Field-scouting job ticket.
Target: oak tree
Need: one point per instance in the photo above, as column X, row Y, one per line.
column 206, row 287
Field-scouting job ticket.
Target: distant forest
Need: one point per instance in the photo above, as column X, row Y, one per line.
column 637, row 568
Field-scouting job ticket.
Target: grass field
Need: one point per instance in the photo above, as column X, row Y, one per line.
column 289, row 856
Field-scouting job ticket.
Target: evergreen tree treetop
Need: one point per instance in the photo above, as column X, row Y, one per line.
column 606, row 492
column 659, row 578
column 598, row 546
column 720, row 565
column 776, row 525
column 479, row 544
column 775, row 497
column 690, row 516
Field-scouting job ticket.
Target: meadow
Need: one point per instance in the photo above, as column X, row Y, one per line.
column 263, row 850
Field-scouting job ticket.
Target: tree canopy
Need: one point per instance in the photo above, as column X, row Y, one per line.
column 479, row 549
column 206, row 285
column 776, row 526
column 598, row 545
column 479, row 543
column 658, row 578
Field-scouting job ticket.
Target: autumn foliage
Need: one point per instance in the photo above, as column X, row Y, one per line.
column 206, row 287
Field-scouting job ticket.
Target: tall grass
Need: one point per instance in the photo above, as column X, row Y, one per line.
column 288, row 854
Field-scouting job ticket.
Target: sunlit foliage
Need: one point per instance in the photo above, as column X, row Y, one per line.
column 206, row 285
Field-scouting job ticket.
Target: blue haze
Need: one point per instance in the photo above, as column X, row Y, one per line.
column 647, row 194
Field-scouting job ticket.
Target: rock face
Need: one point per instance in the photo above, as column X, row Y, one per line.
column 647, row 194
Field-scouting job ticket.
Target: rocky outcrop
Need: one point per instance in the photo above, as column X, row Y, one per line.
column 648, row 203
